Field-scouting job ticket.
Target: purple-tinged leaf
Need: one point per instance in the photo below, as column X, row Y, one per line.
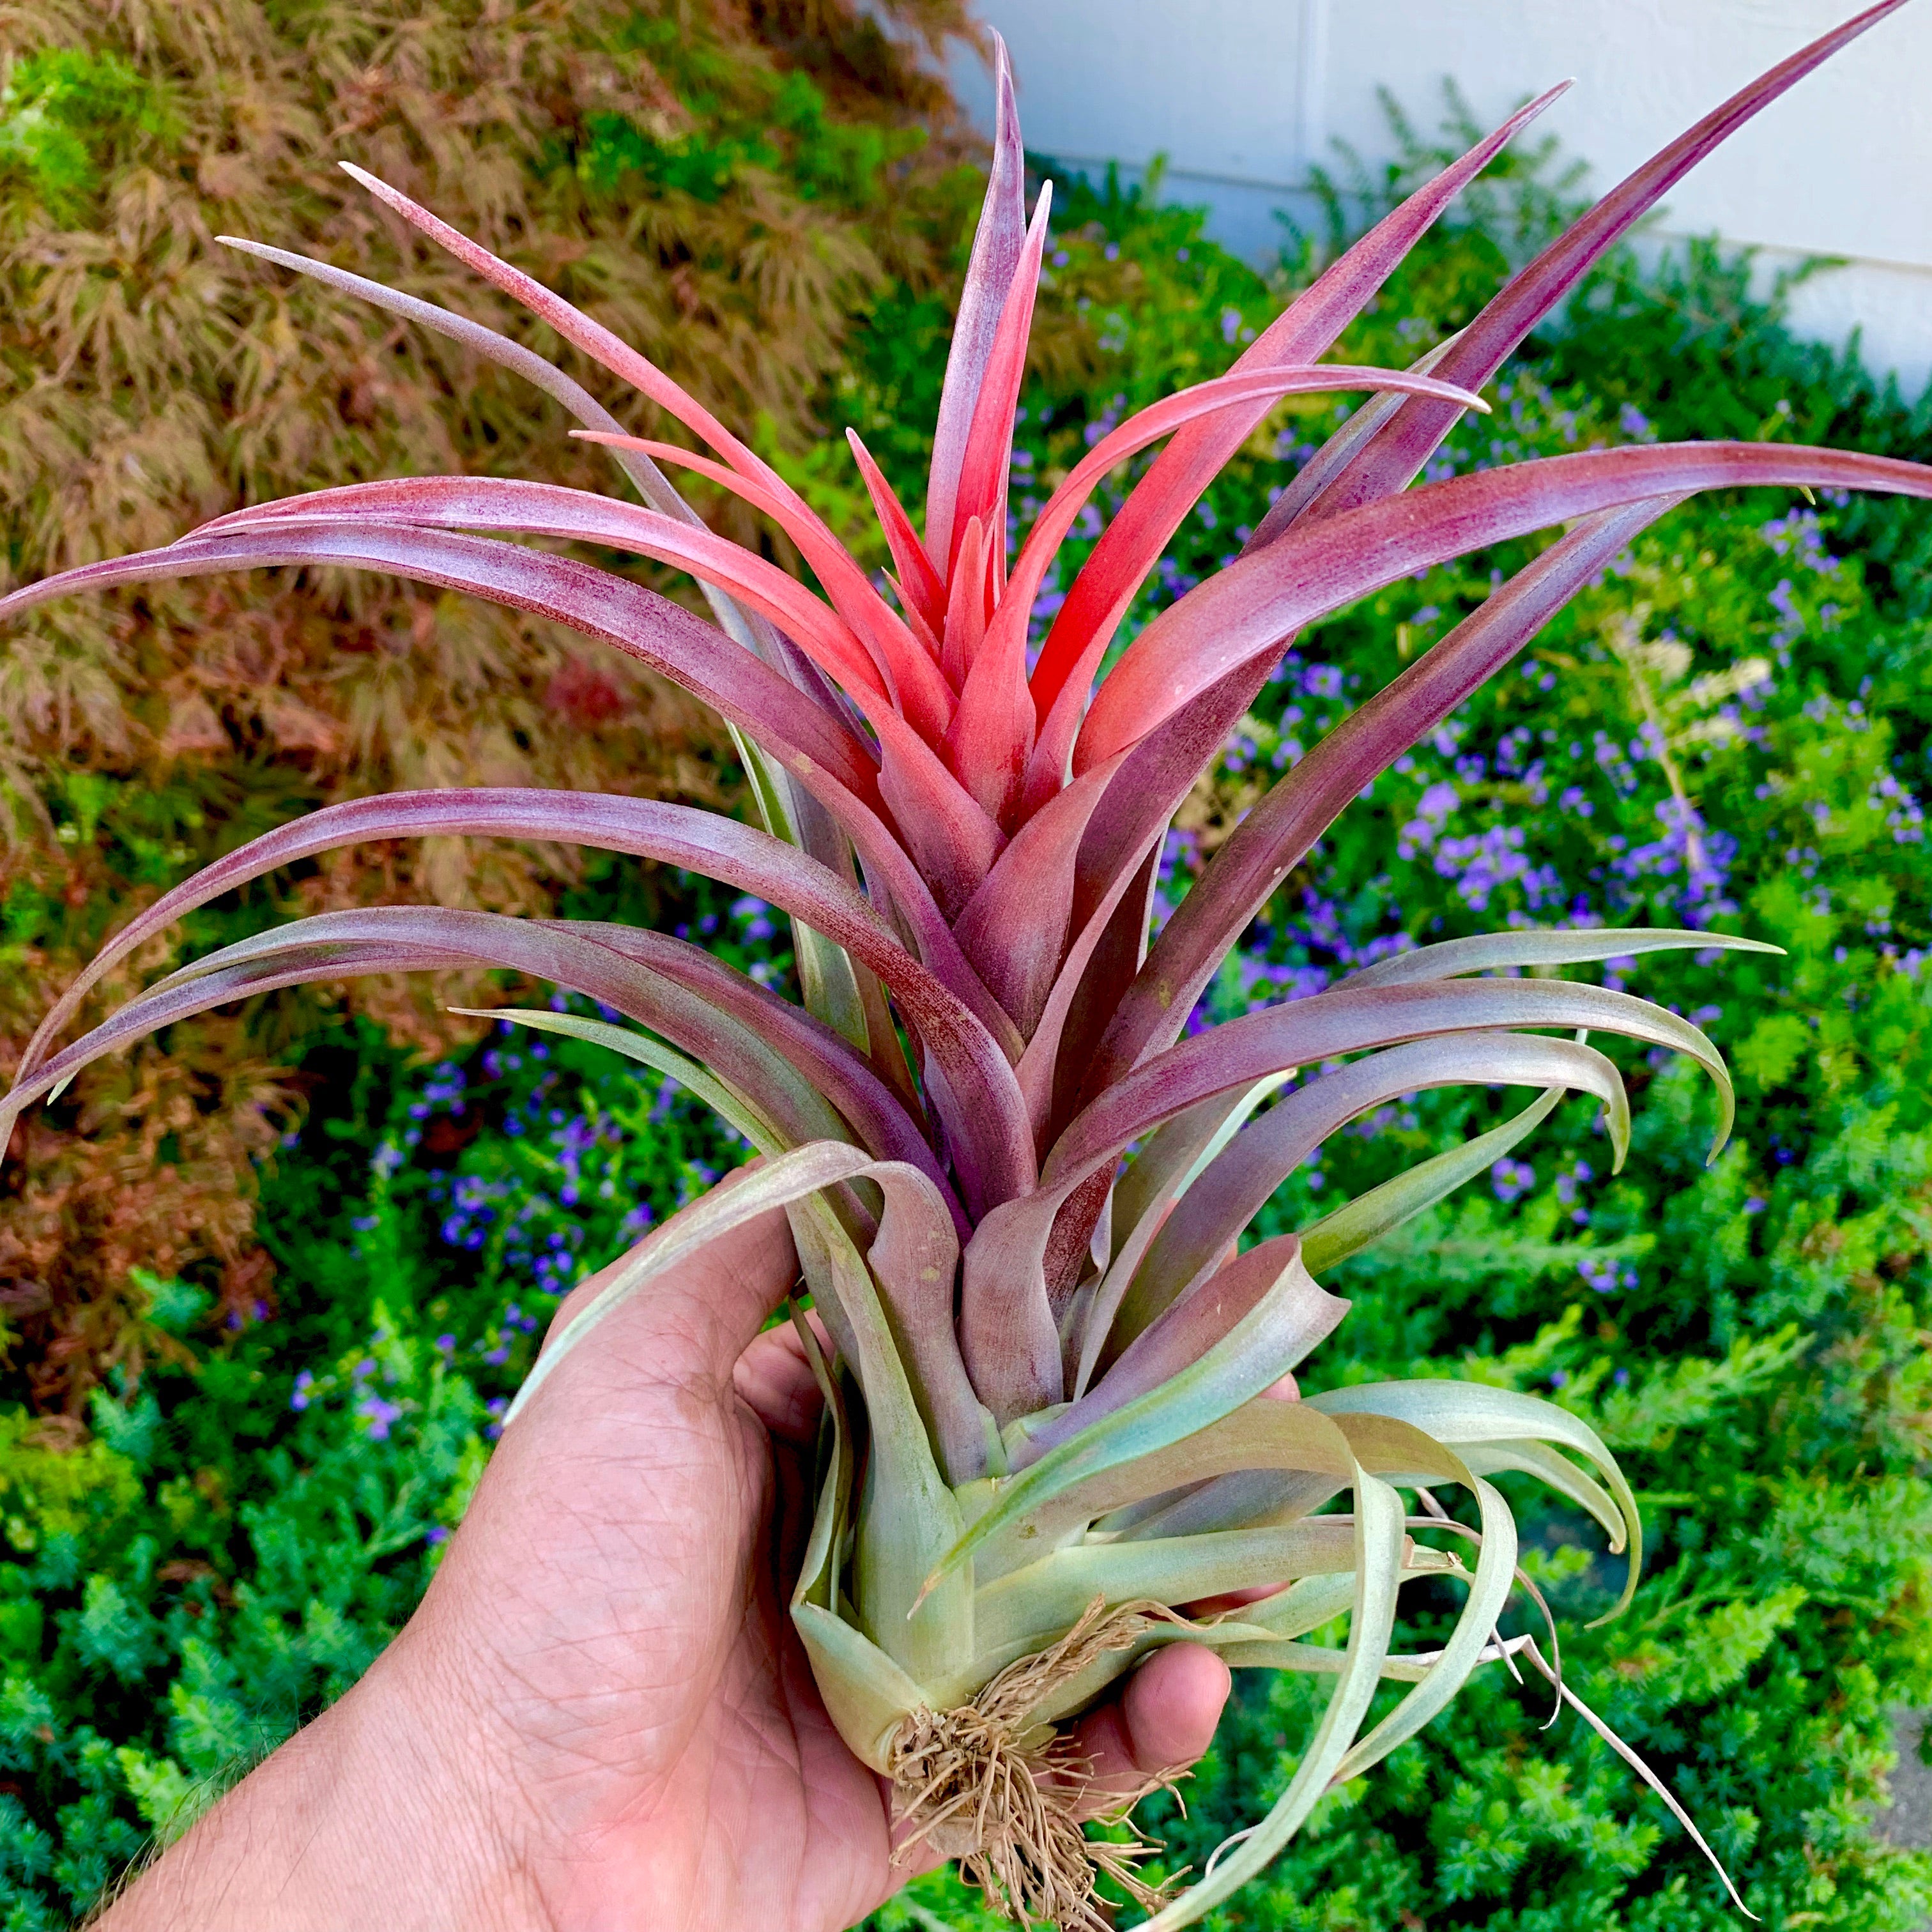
column 846, row 586
column 1113, row 960
column 1007, row 1332
column 551, row 510
column 1214, row 1212
column 1251, row 606
column 1305, row 330
column 997, row 245
column 1303, row 1033
column 738, row 855
column 1123, row 844
column 1267, row 1282
column 824, row 754
column 973, row 1089
column 651, row 482
column 1279, row 833
column 652, row 485
column 1014, row 927
column 644, row 626
column 794, row 1069
column 1226, row 395
column 1168, row 1163
column 1334, row 457
column 1400, row 449
column 955, row 840
column 1201, row 1392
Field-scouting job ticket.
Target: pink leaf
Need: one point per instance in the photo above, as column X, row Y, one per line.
column 1303, row 1033
column 753, row 1040
column 905, row 667
column 1246, row 610
column 989, row 444
column 844, row 582
column 1226, row 395
column 1278, row 834
column 825, row 756
column 739, row 856
column 1304, row 331
column 920, row 584
column 549, row 509
column 965, row 622
column 997, row 244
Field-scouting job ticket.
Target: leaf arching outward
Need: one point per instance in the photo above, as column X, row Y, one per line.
column 1259, row 599
column 650, row 628
column 1344, row 1020
column 788, row 1064
column 845, row 584
column 737, row 855
column 1234, row 1186
column 1279, row 832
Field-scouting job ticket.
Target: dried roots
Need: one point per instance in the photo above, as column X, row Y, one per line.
column 1004, row 1794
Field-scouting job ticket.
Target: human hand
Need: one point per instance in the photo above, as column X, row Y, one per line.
column 600, row 1717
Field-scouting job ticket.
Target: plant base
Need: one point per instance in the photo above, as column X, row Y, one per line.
column 990, row 1785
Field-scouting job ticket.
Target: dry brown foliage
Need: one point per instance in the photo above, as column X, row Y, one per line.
column 152, row 378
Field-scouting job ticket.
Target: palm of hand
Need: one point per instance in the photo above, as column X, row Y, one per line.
column 625, row 1567
column 600, row 1718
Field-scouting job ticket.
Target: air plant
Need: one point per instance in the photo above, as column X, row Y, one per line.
column 1018, row 1192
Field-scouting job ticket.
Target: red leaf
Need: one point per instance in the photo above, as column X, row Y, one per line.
column 1277, row 835
column 920, row 584
column 1304, row 331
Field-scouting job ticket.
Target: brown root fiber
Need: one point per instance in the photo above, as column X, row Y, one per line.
column 1004, row 1794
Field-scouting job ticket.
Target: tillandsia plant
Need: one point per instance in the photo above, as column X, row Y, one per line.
column 1052, row 1374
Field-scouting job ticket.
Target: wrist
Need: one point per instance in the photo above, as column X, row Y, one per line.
column 382, row 1812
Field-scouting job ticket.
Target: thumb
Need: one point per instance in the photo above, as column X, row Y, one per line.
column 700, row 1315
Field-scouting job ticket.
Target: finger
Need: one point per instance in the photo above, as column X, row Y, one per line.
column 774, row 1379
column 1163, row 1720
column 698, row 1316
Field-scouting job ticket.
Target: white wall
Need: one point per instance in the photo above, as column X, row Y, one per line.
column 1242, row 95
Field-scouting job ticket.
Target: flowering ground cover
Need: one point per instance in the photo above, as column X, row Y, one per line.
column 1731, row 730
